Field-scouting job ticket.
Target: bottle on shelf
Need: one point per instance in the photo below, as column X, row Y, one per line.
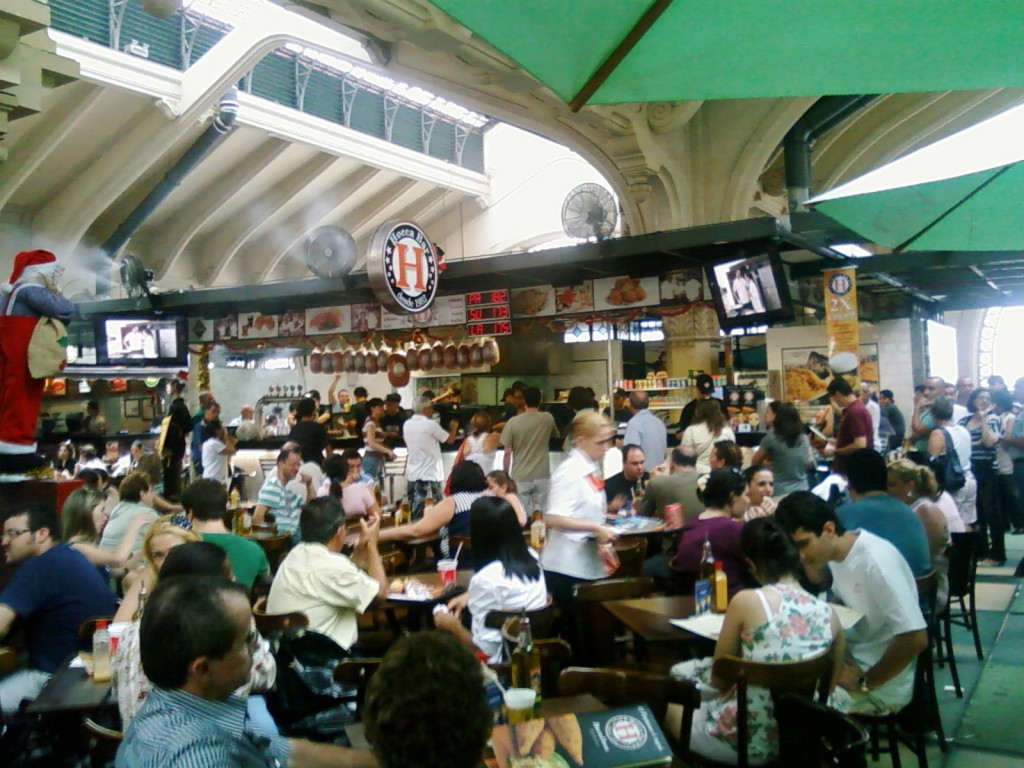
column 101, row 652
column 706, row 570
column 719, row 589
column 525, row 662
column 538, row 531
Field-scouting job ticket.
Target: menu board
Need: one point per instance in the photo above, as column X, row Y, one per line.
column 328, row 320
column 446, row 310
column 683, row 286
column 537, row 301
column 291, row 323
column 255, row 325
column 574, row 299
column 622, row 292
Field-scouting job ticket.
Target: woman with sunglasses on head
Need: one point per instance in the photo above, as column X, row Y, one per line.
column 576, row 510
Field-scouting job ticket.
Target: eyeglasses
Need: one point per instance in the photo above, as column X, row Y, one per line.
column 12, row 535
column 606, row 441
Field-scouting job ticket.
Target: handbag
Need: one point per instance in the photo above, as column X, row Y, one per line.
column 948, row 471
column 48, row 346
column 306, row 700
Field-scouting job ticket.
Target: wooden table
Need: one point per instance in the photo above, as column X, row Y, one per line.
column 416, row 610
column 648, row 619
column 70, row 690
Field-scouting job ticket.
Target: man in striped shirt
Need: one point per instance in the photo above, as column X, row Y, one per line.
column 277, row 498
column 196, row 643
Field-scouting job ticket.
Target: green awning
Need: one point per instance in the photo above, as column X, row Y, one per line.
column 979, row 211
column 733, row 49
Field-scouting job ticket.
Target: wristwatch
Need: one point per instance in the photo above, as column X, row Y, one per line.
column 862, row 684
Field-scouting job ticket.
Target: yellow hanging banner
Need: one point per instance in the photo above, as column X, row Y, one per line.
column 841, row 320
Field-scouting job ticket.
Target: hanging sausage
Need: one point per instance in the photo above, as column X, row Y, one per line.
column 451, row 357
column 412, row 358
column 462, row 357
column 315, row 363
column 327, row 363
column 437, row 356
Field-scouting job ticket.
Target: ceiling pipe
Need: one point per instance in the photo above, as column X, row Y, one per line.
column 223, row 122
column 826, row 113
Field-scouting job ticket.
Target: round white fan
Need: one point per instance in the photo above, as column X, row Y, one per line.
column 330, row 252
column 589, row 211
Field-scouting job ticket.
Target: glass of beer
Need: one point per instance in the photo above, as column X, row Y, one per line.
column 519, row 705
column 405, row 513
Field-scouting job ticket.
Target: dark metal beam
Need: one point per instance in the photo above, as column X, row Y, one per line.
column 976, row 300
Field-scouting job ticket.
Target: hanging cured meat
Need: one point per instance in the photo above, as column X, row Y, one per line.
column 382, row 360
column 371, row 362
column 437, row 356
column 398, row 370
column 476, row 356
column 412, row 357
column 359, row 362
column 462, row 357
column 315, row 363
column 348, row 361
column 451, row 357
column 339, row 361
column 491, row 354
column 327, row 363
column 426, row 359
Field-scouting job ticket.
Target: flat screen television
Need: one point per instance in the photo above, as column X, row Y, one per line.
column 751, row 291
column 142, row 341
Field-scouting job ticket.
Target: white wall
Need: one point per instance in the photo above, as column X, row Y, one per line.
column 530, row 178
column 894, row 353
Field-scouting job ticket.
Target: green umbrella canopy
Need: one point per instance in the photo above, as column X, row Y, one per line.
column 979, row 211
column 616, row 51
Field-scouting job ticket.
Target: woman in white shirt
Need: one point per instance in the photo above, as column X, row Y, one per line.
column 708, row 428
column 508, row 576
column 481, row 445
column 576, row 510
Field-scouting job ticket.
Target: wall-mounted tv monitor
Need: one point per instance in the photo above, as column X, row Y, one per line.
column 751, row 291
column 142, row 341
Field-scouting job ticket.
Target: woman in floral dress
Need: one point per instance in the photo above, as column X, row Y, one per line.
column 777, row 623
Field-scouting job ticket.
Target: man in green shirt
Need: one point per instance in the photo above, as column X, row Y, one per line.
column 205, row 502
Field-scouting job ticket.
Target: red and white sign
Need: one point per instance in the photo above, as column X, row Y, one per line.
column 403, row 267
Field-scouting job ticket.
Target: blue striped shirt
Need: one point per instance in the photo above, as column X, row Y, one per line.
column 285, row 504
column 179, row 729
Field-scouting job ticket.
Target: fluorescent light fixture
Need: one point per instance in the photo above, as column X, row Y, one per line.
column 851, row 250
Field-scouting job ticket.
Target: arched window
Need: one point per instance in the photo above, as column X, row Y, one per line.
column 999, row 348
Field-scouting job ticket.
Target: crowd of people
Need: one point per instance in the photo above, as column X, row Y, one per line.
column 783, row 539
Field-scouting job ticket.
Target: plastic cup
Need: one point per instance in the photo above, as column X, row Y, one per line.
column 115, row 631
column 447, row 569
column 673, row 516
column 519, row 704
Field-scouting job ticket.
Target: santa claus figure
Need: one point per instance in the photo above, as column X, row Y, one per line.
column 30, row 294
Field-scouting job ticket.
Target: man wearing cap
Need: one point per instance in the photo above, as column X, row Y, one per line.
column 30, row 294
column 704, row 388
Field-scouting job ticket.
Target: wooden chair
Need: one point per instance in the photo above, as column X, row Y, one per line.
column 356, row 672
column 812, row 734
column 921, row 716
column 595, row 628
column 275, row 548
column 620, row 687
column 101, row 743
column 963, row 567
column 555, row 656
column 268, row 466
column 268, row 623
column 809, row 678
column 632, row 552
column 541, row 621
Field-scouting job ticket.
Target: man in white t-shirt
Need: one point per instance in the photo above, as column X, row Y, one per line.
column 875, row 411
column 870, row 576
column 218, row 448
column 423, row 438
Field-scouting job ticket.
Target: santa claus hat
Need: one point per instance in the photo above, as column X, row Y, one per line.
column 28, row 263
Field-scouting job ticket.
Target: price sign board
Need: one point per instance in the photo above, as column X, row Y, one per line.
column 490, row 328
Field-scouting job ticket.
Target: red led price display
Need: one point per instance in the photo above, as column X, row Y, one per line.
column 478, row 314
column 487, row 298
column 495, row 328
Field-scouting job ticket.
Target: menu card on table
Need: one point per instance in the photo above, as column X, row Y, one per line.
column 627, row 737
column 710, row 624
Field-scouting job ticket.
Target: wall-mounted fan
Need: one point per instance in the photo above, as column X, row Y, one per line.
column 589, row 211
column 330, row 252
column 134, row 276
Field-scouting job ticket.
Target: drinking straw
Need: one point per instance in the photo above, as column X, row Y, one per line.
column 457, row 551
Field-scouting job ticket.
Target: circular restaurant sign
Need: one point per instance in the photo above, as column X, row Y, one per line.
column 402, row 267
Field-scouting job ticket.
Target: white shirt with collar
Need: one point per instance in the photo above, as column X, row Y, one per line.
column 577, row 491
column 423, row 438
